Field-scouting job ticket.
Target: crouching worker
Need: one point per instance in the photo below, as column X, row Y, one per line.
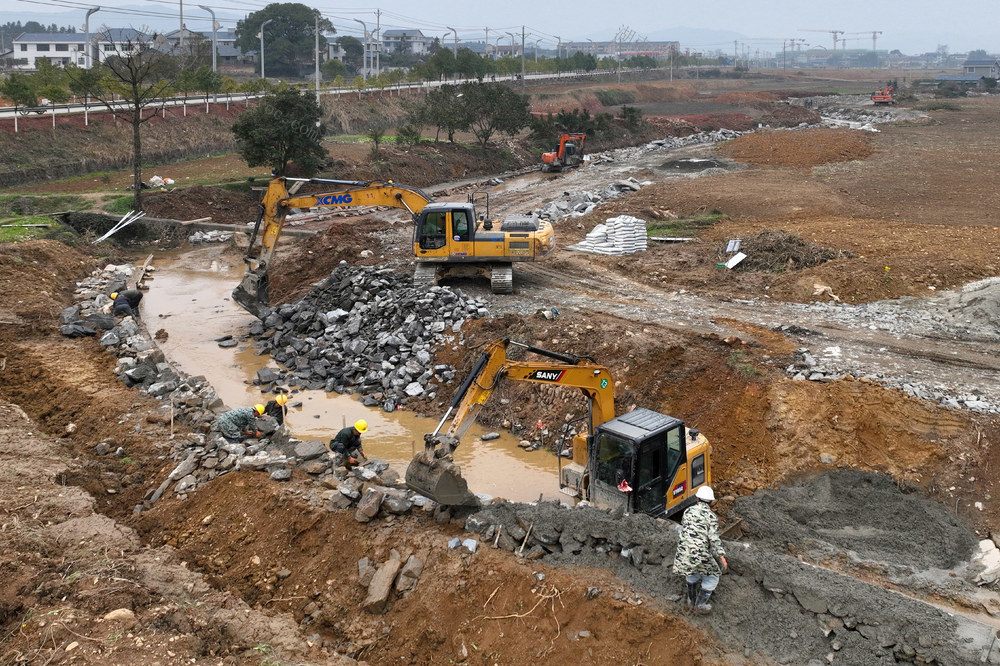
column 239, row 423
column 346, row 445
column 276, row 408
column 126, row 303
column 700, row 552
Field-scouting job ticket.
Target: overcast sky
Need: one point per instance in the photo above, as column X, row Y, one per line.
column 912, row 26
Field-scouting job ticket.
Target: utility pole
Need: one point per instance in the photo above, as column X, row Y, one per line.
column 378, row 42
column 486, row 44
column 455, row 35
column 87, row 63
column 180, row 47
column 536, row 49
column 364, row 55
column 522, row 60
column 214, row 28
column 316, row 35
column 262, row 47
column 559, row 47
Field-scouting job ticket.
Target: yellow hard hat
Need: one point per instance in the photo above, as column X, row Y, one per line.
column 361, row 425
column 281, row 399
column 259, row 408
column 114, row 295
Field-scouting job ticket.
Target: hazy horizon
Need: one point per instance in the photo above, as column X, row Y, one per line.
column 913, row 27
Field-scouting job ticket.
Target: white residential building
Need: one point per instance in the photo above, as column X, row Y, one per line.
column 66, row 48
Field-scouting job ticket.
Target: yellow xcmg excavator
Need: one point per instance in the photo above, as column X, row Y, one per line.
column 641, row 462
column 448, row 238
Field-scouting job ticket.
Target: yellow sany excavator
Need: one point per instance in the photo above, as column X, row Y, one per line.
column 640, row 462
column 448, row 238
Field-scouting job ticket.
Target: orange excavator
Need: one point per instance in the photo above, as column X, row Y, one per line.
column 568, row 155
column 885, row 95
column 640, row 462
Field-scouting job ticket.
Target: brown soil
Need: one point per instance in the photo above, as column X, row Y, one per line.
column 902, row 199
column 807, row 148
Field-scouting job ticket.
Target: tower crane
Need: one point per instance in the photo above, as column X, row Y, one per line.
column 873, row 33
column 835, row 33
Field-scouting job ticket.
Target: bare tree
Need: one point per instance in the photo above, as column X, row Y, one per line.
column 135, row 80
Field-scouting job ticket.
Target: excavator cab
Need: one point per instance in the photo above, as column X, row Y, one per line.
column 645, row 462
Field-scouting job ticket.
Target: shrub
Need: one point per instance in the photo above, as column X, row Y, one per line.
column 408, row 135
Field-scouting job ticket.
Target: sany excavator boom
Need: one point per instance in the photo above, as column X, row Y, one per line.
column 448, row 238
column 642, row 461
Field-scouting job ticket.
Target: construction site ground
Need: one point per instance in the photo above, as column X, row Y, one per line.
column 250, row 571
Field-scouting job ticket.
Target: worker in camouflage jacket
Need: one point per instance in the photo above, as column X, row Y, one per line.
column 239, row 423
column 700, row 556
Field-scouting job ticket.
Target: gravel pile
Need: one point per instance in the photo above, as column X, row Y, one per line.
column 364, row 329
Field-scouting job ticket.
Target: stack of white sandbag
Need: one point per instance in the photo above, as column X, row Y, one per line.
column 618, row 235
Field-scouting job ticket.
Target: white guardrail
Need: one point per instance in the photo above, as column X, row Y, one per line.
column 233, row 98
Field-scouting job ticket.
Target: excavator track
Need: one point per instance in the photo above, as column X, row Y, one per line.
column 502, row 278
column 425, row 275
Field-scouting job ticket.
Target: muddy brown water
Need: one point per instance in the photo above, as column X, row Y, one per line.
column 189, row 300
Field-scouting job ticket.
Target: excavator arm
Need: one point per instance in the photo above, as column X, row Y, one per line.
column 252, row 291
column 432, row 471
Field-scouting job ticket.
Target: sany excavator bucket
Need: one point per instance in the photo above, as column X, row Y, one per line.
column 433, row 473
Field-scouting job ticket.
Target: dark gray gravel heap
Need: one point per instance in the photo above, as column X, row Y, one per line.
column 364, row 330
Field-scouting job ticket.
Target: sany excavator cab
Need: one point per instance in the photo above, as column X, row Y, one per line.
column 641, row 462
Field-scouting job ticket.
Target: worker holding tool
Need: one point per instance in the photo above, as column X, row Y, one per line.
column 126, row 303
column 699, row 551
column 347, row 443
column 276, row 408
column 239, row 423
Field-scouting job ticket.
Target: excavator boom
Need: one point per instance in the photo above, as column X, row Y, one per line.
column 432, row 472
column 252, row 291
column 641, row 461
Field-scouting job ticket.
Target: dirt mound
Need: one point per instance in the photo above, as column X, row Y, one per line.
column 745, row 97
column 867, row 516
column 787, row 115
column 224, row 206
column 489, row 605
column 709, row 122
column 779, row 251
column 804, row 148
column 35, row 276
column 296, row 268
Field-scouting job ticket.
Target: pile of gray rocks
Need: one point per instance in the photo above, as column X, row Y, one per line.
column 364, row 330
column 806, row 366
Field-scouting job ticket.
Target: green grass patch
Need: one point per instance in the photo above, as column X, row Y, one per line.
column 938, row 105
column 119, row 204
column 682, row 227
column 740, row 362
column 21, row 231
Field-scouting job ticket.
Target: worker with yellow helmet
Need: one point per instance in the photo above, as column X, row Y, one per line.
column 126, row 303
column 277, row 408
column 239, row 423
column 347, row 443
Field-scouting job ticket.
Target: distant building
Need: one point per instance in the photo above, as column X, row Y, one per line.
column 974, row 71
column 406, row 41
column 989, row 68
column 225, row 41
column 66, row 48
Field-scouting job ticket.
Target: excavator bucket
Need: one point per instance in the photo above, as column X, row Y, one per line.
column 251, row 293
column 433, row 474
